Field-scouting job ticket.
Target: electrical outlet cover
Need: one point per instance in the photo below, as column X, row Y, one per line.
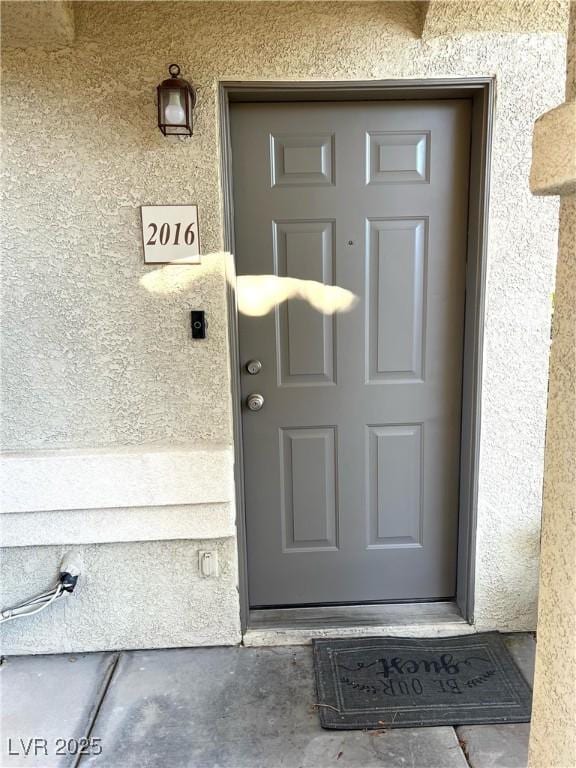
column 208, row 563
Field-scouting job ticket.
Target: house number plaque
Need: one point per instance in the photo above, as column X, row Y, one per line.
column 170, row 234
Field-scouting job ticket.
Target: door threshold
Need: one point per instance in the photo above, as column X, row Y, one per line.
column 297, row 626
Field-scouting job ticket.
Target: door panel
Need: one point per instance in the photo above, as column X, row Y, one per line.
column 300, row 159
column 397, row 157
column 352, row 465
column 309, row 498
column 304, row 336
column 396, row 294
column 394, row 486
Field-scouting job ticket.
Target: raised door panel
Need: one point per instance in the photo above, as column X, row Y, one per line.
column 397, row 157
column 302, row 160
column 308, row 488
column 396, row 290
column 394, row 486
column 305, row 344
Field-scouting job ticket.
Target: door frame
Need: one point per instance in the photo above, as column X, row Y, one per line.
column 481, row 91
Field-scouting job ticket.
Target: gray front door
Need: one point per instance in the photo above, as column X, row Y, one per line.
column 352, row 464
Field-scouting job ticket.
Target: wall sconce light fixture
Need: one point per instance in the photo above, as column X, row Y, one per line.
column 176, row 100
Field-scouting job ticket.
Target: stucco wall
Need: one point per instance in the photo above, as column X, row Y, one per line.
column 553, row 738
column 49, row 23
column 446, row 17
column 553, row 735
column 91, row 359
column 131, row 595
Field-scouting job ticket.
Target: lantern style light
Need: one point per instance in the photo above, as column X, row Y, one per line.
column 176, row 100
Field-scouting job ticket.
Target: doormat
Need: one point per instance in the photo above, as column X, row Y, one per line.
column 398, row 682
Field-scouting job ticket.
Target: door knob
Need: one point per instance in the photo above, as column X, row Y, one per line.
column 254, row 402
column 253, row 367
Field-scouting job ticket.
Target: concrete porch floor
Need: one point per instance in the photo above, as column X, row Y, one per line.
column 217, row 708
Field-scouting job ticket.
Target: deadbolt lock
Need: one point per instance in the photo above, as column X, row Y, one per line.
column 253, row 367
column 254, row 402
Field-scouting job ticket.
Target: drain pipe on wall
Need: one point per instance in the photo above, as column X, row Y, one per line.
column 70, row 568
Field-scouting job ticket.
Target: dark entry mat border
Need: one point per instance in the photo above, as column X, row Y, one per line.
column 331, row 701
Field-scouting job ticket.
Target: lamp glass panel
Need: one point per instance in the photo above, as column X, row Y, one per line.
column 173, row 110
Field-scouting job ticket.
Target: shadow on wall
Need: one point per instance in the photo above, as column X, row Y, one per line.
column 257, row 295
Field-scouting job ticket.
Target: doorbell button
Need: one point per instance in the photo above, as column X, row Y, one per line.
column 198, row 322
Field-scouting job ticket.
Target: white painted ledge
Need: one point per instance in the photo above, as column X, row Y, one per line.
column 110, row 526
column 104, row 496
column 137, row 477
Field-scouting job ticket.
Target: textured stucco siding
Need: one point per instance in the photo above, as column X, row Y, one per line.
column 553, row 732
column 92, row 359
column 450, row 17
column 129, row 595
column 554, row 146
column 553, row 737
column 45, row 23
